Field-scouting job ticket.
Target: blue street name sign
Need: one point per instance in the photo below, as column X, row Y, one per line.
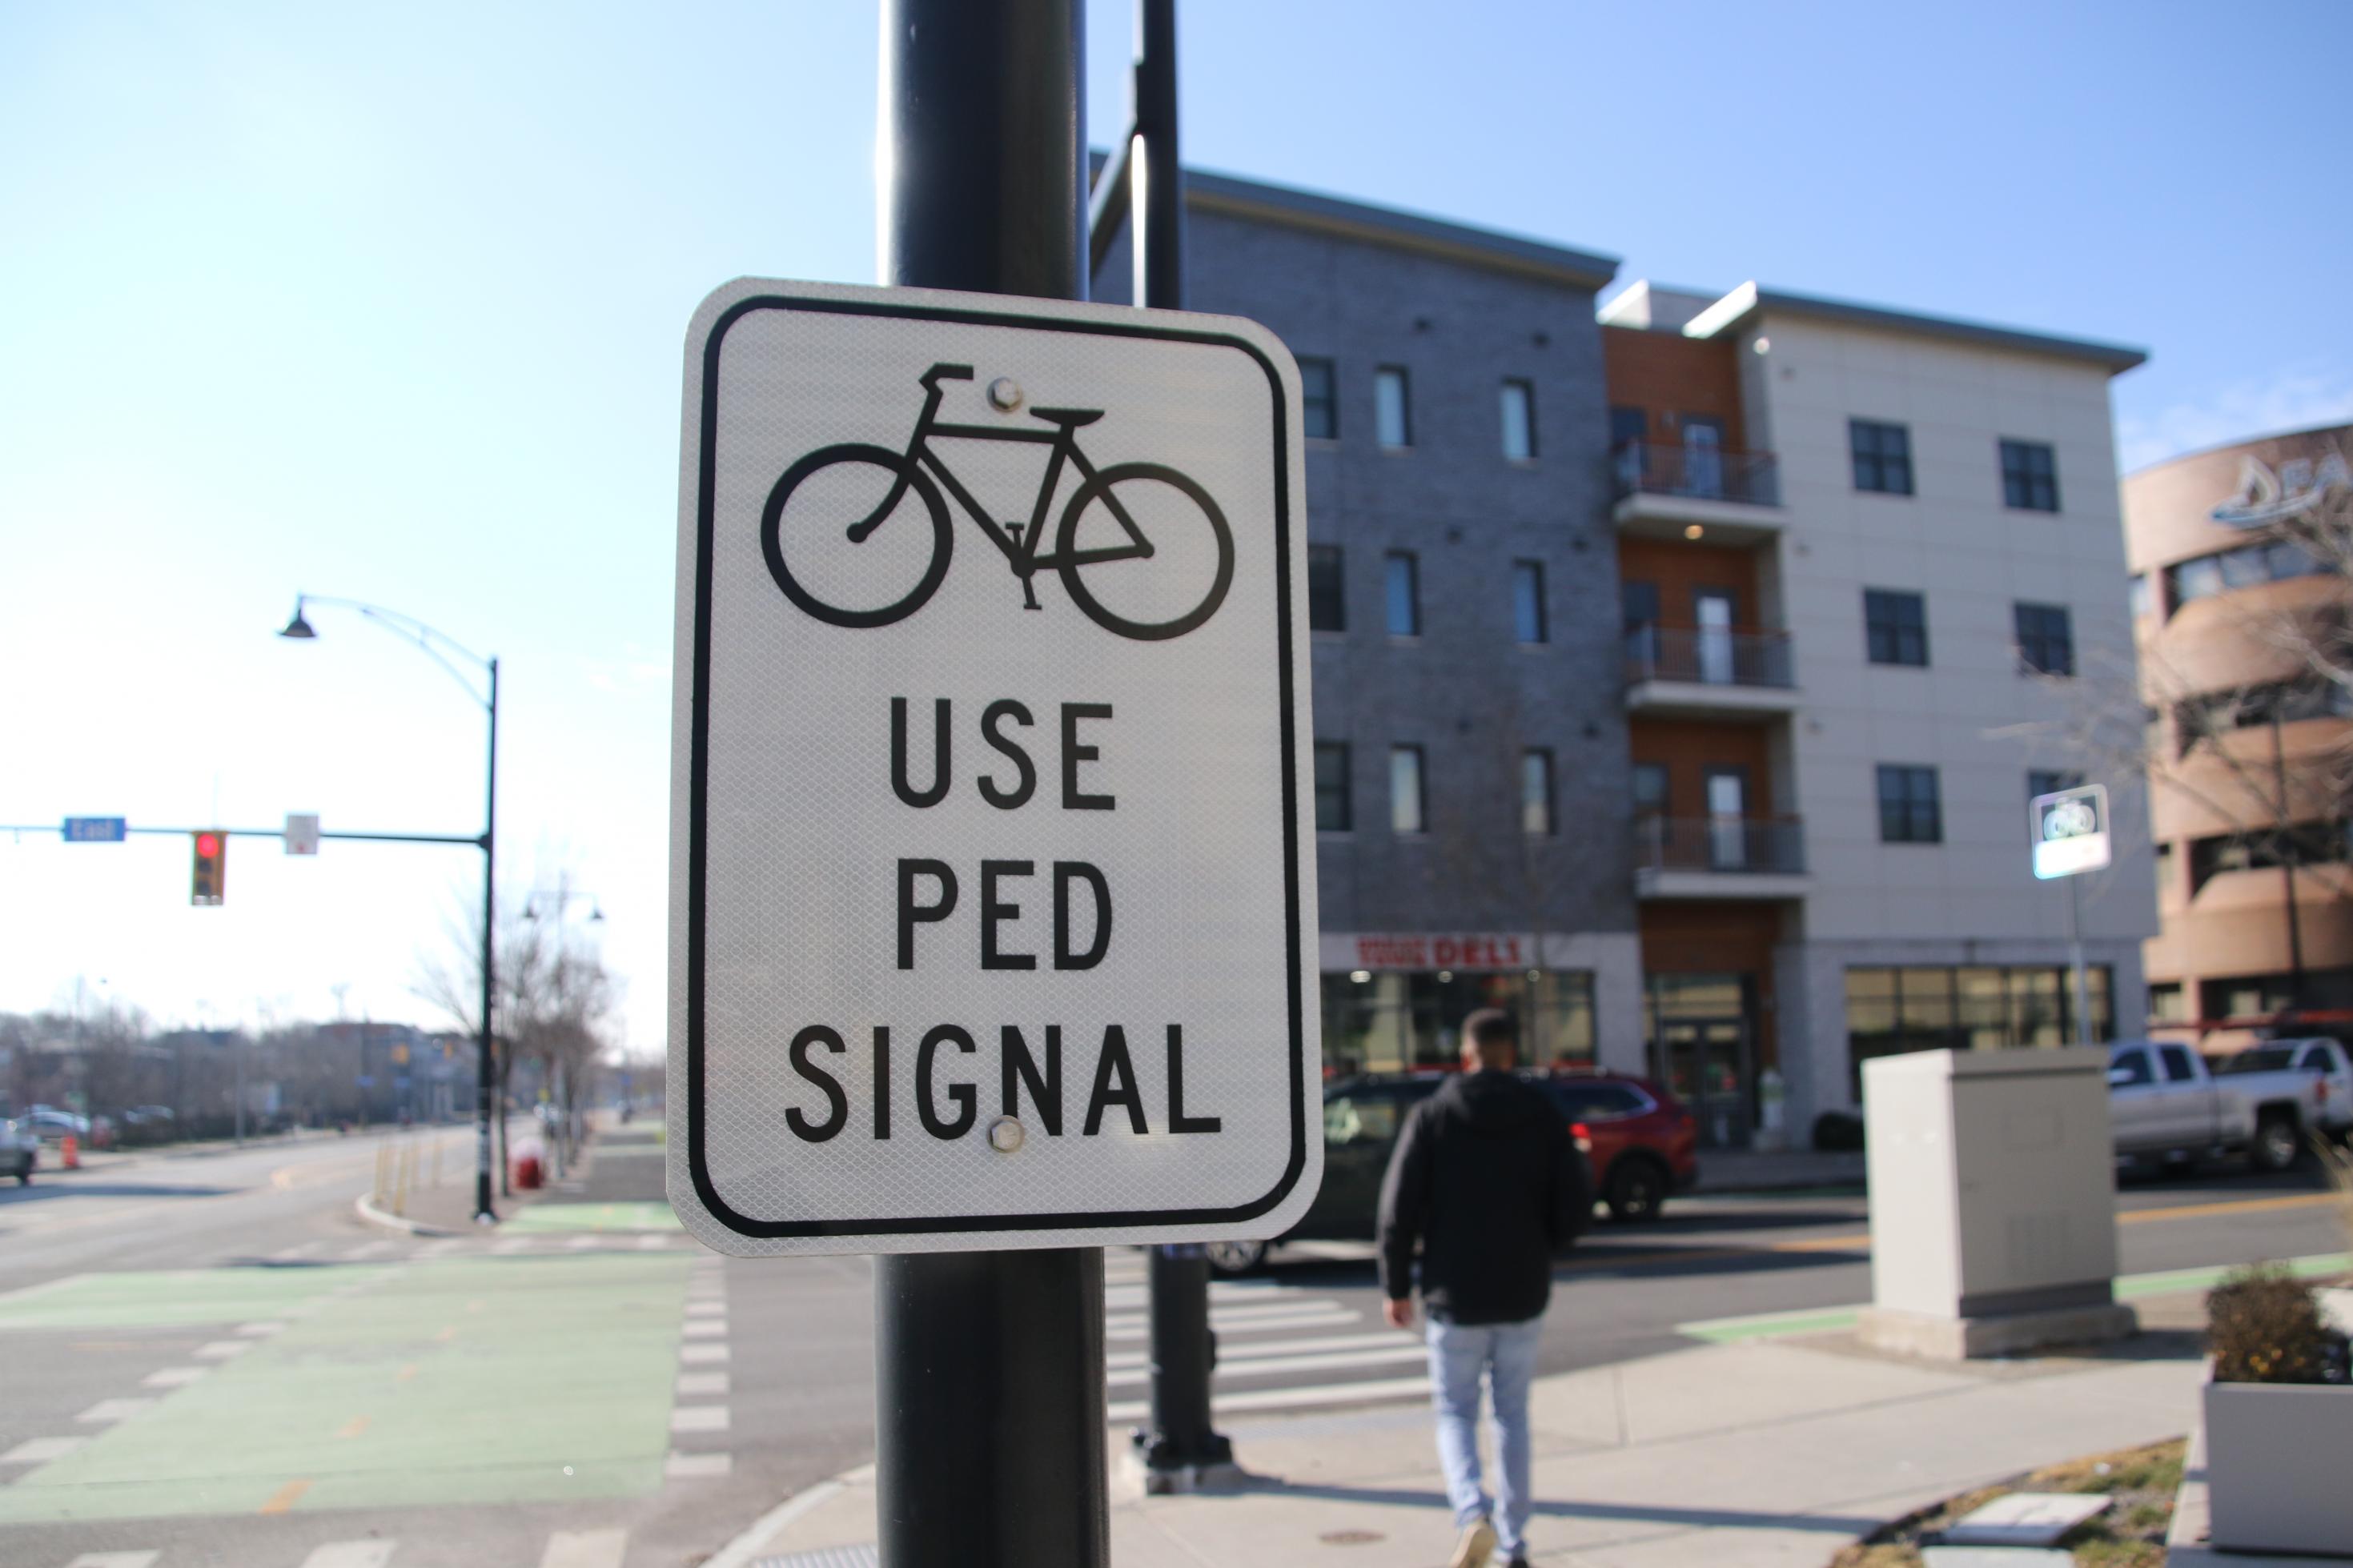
column 94, row 829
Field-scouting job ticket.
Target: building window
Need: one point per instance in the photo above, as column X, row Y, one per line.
column 2046, row 640
column 2305, row 844
column 1388, row 1020
column 2040, row 782
column 1519, row 407
column 1528, row 601
column 1883, row 457
column 2203, row 577
column 1895, row 627
column 1890, row 1011
column 1334, row 805
column 2137, row 595
column 1327, row 604
column 2248, row 708
column 1406, row 805
column 2166, row 1004
column 1404, row 594
column 1392, row 407
column 1319, row 401
column 1535, row 794
column 1908, row 809
column 2030, row 476
column 1650, row 789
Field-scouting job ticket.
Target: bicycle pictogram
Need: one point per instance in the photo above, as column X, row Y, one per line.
column 1100, row 528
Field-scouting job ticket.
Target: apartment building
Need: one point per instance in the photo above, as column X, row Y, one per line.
column 1470, row 742
column 2232, row 571
column 1864, row 555
column 1675, row 663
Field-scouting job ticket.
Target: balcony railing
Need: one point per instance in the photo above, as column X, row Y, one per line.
column 1697, row 473
column 1769, row 846
column 1708, row 657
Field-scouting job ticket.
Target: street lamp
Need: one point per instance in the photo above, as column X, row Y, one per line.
column 439, row 647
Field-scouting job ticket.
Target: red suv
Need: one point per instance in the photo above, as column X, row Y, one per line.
column 1639, row 1139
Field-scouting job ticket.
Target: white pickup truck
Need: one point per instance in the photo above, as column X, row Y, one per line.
column 2165, row 1104
column 2321, row 1064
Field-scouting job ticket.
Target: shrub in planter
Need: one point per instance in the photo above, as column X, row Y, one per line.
column 2279, row 1416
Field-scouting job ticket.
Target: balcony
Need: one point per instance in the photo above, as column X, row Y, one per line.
column 1710, row 673
column 1733, row 498
column 1720, row 857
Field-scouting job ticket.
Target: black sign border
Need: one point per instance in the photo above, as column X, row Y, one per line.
column 705, row 1190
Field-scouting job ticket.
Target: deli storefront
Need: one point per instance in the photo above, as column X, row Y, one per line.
column 1395, row 1000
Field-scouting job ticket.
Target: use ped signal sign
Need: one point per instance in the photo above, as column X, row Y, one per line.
column 2071, row 831
column 993, row 896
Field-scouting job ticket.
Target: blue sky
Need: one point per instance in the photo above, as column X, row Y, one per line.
column 388, row 302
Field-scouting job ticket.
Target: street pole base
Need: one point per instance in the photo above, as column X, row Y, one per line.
column 1139, row 1477
column 484, row 1216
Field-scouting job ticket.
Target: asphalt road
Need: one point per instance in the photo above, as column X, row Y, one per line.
column 213, row 1359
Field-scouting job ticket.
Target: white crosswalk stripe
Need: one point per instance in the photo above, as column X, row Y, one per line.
column 585, row 1549
column 352, row 1554
column 115, row 1560
column 1280, row 1346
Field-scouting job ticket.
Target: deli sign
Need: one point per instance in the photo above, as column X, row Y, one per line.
column 1472, row 951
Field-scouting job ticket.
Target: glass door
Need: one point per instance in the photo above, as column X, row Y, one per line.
column 1713, row 610
column 1702, row 456
column 1727, row 820
column 1703, row 1062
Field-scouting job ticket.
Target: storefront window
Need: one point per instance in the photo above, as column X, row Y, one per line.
column 1981, row 1008
column 1387, row 1021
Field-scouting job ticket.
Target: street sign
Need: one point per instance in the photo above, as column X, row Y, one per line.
column 2071, row 831
column 992, row 875
column 95, row 829
column 302, row 832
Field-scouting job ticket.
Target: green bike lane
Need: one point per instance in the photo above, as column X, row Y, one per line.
column 440, row 1382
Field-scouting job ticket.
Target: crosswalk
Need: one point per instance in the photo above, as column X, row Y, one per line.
column 542, row 1244
column 1280, row 1347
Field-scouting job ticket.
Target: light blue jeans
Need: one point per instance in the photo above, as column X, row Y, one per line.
column 1505, row 1355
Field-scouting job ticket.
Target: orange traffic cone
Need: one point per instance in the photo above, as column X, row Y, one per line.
column 70, row 1152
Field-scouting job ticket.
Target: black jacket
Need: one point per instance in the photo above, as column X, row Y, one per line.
column 1486, row 1179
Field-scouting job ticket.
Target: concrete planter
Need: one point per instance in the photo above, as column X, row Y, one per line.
column 2275, row 1466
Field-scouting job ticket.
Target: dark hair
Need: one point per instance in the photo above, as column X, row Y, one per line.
column 1491, row 1026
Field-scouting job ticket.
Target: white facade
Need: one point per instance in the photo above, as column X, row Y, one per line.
column 1808, row 368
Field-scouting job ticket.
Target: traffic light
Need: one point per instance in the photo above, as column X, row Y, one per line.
column 210, row 883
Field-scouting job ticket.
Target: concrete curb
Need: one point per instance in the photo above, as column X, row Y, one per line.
column 375, row 1216
column 737, row 1553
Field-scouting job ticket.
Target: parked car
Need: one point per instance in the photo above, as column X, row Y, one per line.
column 2327, row 1090
column 2165, row 1104
column 50, row 1125
column 20, row 1151
column 1638, row 1140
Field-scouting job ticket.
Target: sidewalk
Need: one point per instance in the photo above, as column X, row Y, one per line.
column 1755, row 1170
column 1761, row 1452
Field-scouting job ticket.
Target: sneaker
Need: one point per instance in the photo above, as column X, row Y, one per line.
column 1519, row 1559
column 1472, row 1551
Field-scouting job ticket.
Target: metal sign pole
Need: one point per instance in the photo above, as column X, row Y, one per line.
column 989, row 1386
column 2076, row 945
column 1180, row 1439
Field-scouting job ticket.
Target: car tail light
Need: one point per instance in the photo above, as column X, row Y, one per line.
column 1583, row 1135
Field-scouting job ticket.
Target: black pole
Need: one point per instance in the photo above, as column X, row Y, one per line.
column 990, row 1441
column 485, row 1076
column 1180, row 1439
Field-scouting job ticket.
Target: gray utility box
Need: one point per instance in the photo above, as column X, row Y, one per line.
column 1993, row 1202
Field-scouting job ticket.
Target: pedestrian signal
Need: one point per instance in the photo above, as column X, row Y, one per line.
column 210, row 883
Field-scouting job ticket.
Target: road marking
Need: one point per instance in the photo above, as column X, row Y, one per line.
column 353, row 1427
column 445, row 1335
column 511, row 1244
column 352, row 1554
column 1379, row 1389
column 702, row 1355
column 114, row 1560
column 705, row 1328
column 283, row 1499
column 406, row 1374
column 41, row 1450
column 1228, row 1356
column 173, row 1377
column 222, row 1350
column 652, row 1243
column 582, row 1243
column 259, row 1331
column 584, row 1548
column 2235, row 1205
column 1332, row 1317
column 691, row 1384
column 699, row 1418
column 706, row 1309
column 115, row 1410
column 1268, row 1366
column 366, row 1250
column 690, row 1467
column 295, row 1254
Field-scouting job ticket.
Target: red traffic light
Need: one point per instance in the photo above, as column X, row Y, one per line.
column 208, row 844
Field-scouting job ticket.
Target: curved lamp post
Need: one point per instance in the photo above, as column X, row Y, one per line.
column 439, row 647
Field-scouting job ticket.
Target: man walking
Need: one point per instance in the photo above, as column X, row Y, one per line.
column 1487, row 1181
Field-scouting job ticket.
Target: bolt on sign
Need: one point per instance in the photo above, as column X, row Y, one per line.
column 993, row 893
